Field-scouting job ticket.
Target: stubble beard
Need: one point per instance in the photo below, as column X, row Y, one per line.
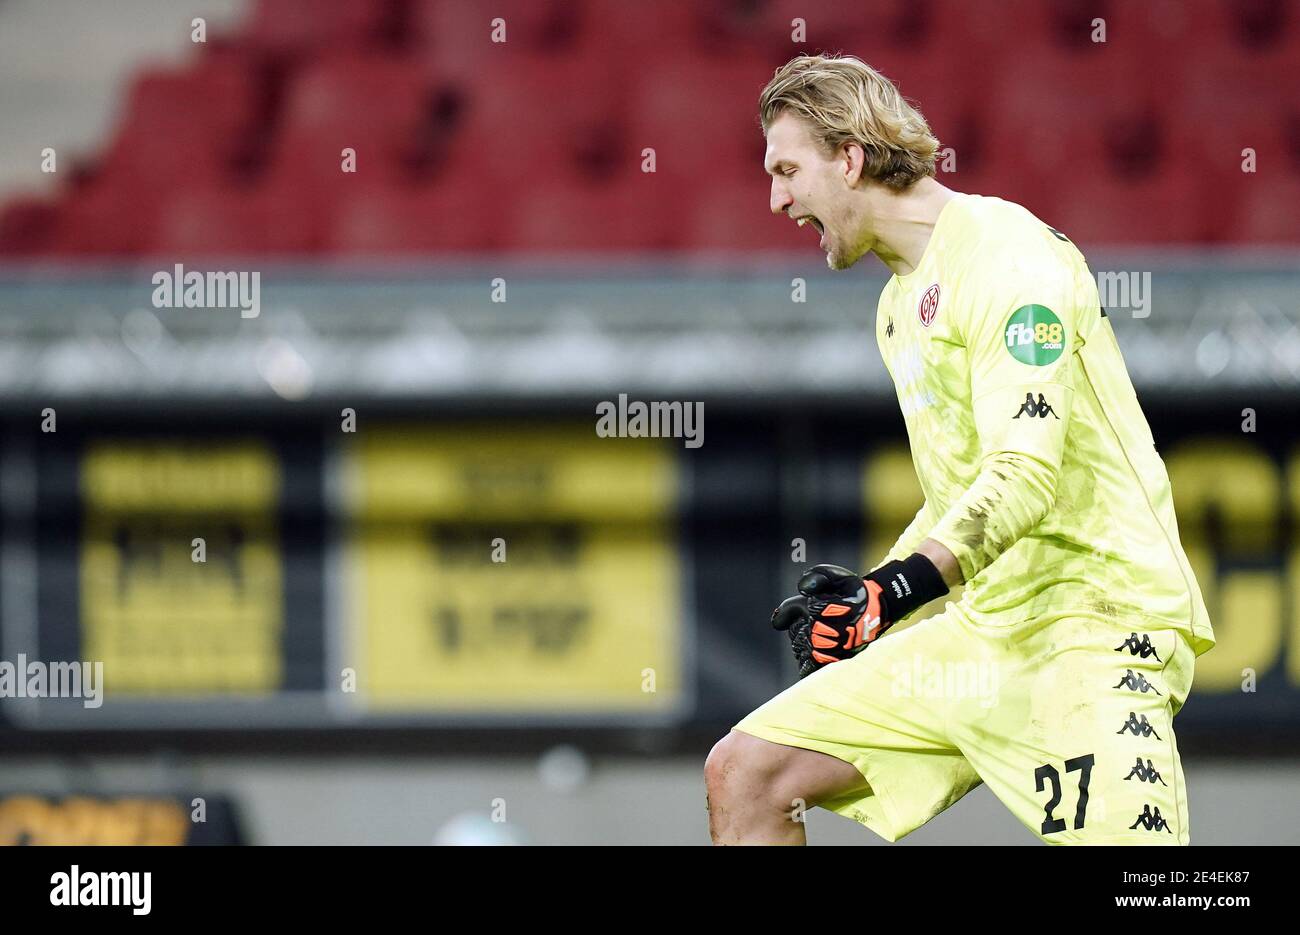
column 837, row 260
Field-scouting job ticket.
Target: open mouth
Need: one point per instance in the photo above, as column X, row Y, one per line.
column 809, row 219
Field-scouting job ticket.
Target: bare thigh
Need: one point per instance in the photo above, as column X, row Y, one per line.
column 785, row 773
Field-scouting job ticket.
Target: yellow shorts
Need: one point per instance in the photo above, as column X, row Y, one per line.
column 1068, row 719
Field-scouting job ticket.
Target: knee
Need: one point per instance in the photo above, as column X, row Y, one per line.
column 735, row 766
column 719, row 765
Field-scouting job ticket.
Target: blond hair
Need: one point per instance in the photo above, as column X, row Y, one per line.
column 845, row 100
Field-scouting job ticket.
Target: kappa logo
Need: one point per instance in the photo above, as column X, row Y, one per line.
column 1135, row 683
column 1138, row 647
column 1039, row 409
column 929, row 306
column 1147, row 773
column 889, row 329
column 1140, row 728
column 1151, row 820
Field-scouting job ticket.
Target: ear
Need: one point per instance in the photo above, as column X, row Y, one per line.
column 852, row 159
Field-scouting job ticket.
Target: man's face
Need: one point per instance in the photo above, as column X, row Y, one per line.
column 813, row 188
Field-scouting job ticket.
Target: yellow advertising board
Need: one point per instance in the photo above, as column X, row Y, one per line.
column 169, row 615
column 519, row 569
column 92, row 820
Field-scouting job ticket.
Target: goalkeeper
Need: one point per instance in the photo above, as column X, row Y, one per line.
column 1044, row 494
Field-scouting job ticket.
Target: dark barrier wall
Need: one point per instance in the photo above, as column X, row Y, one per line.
column 375, row 569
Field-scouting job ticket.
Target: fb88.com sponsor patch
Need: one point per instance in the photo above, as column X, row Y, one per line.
column 1034, row 335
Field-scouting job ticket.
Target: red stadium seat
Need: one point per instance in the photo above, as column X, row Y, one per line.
column 738, row 217
column 458, row 36
column 627, row 31
column 27, row 226
column 1166, row 206
column 540, row 119
column 966, row 32
column 235, row 222
column 1066, row 122
column 629, row 213
column 769, row 28
column 1171, row 31
column 1228, row 104
column 296, row 27
column 1266, row 211
column 1139, row 137
column 184, row 127
column 700, row 116
column 1223, row 148
column 416, row 219
column 834, row 17
column 106, row 219
column 375, row 106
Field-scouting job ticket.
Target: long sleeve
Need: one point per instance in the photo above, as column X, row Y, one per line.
column 1021, row 343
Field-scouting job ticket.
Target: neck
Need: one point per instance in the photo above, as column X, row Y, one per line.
column 904, row 223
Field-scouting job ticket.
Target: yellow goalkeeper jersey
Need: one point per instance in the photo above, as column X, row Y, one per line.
column 1038, row 467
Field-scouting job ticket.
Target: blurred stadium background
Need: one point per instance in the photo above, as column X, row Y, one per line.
column 349, row 665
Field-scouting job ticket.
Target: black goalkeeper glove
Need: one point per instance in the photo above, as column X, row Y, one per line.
column 837, row 613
